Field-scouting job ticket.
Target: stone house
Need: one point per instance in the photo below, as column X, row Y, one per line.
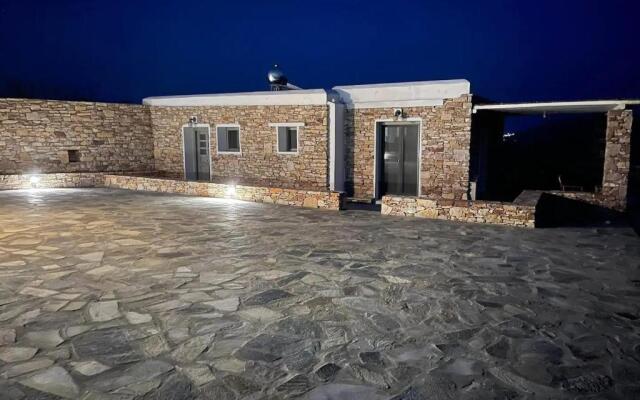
column 340, row 138
column 405, row 145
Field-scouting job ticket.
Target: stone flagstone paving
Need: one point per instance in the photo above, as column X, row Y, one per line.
column 108, row 294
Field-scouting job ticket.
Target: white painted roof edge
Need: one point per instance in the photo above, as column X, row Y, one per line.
column 558, row 106
column 396, row 103
column 263, row 98
column 402, row 94
column 405, row 84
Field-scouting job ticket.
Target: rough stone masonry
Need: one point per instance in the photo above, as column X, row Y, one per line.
column 45, row 135
column 258, row 159
column 445, row 142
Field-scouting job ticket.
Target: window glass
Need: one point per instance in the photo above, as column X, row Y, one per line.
column 228, row 139
column 233, row 138
column 287, row 139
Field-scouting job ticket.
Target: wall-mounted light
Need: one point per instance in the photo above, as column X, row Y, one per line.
column 193, row 120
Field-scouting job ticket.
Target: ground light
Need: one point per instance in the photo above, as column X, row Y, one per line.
column 230, row 191
column 34, row 180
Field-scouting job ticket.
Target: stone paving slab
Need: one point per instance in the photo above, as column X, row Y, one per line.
column 109, row 294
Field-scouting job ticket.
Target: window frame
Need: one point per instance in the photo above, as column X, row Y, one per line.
column 218, row 151
column 298, row 126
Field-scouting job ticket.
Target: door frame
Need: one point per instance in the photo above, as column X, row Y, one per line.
column 184, row 158
column 377, row 143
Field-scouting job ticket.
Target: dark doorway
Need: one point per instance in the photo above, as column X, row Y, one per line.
column 397, row 168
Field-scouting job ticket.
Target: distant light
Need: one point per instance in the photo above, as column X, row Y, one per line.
column 230, row 191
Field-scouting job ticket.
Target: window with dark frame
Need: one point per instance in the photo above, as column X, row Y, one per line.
column 288, row 139
column 228, row 139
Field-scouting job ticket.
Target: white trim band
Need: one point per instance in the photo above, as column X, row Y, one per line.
column 275, row 98
column 287, row 124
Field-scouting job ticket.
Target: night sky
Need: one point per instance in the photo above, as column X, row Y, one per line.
column 510, row 50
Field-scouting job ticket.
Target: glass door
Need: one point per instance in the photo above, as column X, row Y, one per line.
column 400, row 160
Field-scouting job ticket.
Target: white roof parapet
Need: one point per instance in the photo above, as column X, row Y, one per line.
column 402, row 94
column 591, row 106
column 266, row 98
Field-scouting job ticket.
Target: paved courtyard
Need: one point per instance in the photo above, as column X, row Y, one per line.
column 109, row 294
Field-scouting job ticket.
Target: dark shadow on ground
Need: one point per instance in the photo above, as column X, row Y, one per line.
column 362, row 206
column 555, row 211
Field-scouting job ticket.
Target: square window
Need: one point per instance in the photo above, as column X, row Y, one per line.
column 73, row 155
column 288, row 139
column 228, row 139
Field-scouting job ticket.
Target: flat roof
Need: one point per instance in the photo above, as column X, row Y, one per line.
column 263, row 98
column 405, row 84
column 592, row 106
column 398, row 94
column 402, row 94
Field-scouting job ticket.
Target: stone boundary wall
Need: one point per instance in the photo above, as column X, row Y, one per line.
column 596, row 199
column 488, row 212
column 291, row 197
column 587, row 197
column 37, row 135
column 445, row 147
column 51, row 181
column 258, row 159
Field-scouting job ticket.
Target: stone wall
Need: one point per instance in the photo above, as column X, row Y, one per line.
column 488, row 212
column 49, row 181
column 445, row 144
column 35, row 136
column 291, row 197
column 259, row 159
column 617, row 159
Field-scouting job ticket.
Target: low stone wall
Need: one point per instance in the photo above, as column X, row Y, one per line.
column 44, row 181
column 488, row 212
column 596, row 199
column 291, row 197
column 587, row 197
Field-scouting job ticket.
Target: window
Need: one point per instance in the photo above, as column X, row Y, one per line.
column 287, row 139
column 202, row 143
column 74, row 156
column 228, row 139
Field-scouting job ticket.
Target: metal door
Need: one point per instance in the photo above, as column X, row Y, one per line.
column 196, row 154
column 400, row 166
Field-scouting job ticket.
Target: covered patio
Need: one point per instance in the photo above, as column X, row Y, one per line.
column 488, row 135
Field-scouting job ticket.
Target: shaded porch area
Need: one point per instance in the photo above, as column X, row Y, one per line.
column 579, row 150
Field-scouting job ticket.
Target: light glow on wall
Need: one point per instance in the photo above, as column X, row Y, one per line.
column 230, row 191
column 34, row 180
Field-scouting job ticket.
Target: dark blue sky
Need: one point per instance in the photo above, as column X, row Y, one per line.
column 510, row 50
